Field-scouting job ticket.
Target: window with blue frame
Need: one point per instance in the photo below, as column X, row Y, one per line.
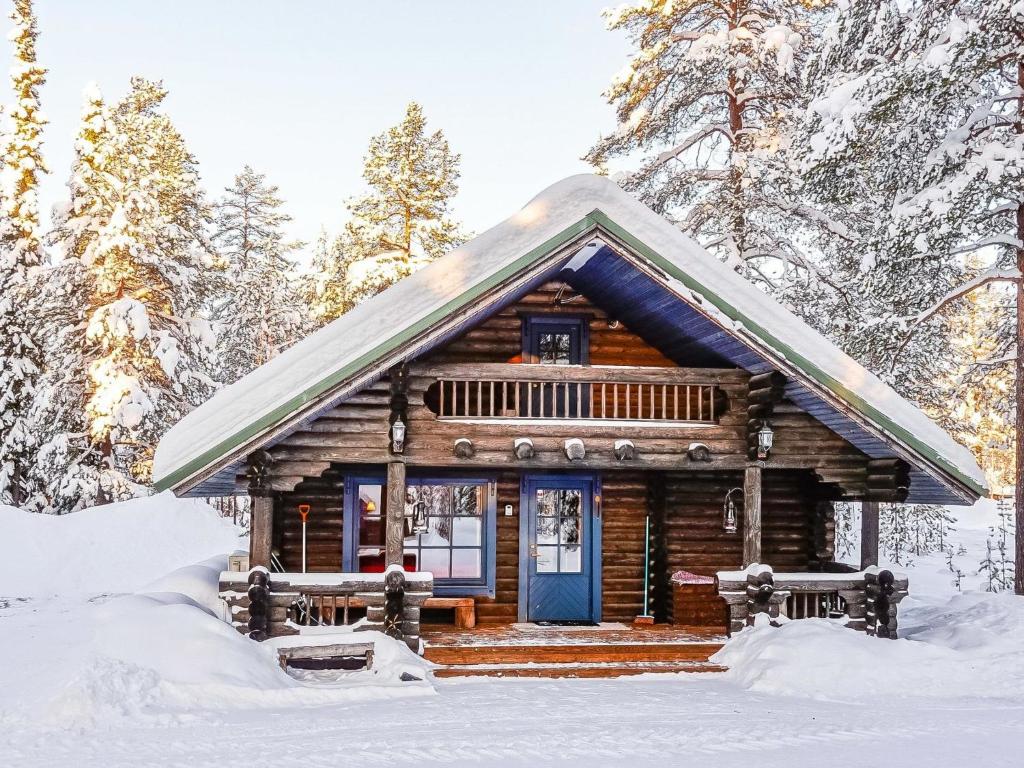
column 449, row 530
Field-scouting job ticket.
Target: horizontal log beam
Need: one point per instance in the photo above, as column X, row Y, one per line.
column 623, row 374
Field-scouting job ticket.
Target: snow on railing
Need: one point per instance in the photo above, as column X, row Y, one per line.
column 866, row 599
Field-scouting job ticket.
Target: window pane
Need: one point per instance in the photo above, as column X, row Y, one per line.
column 436, row 562
column 572, row 561
column 466, row 563
column 439, row 532
column 547, row 559
column 466, row 531
column 466, row 500
column 547, row 530
column 547, row 502
column 570, row 530
column 568, row 502
column 554, row 348
column 371, row 511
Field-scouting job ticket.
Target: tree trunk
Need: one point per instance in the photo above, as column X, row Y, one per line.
column 1018, row 495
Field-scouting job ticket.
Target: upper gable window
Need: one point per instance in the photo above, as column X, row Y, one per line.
column 555, row 340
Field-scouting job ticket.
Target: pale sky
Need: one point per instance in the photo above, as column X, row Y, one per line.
column 296, row 89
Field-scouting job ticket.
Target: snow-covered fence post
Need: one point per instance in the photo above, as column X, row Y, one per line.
column 762, row 597
column 884, row 592
column 259, row 603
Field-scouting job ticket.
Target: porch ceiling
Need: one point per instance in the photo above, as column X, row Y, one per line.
column 689, row 338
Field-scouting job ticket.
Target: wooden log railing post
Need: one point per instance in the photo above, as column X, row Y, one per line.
column 395, row 520
column 752, row 515
column 394, row 603
column 868, row 534
column 884, row 592
column 261, row 522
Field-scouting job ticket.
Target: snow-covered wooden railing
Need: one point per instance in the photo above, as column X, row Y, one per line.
column 866, row 600
column 264, row 604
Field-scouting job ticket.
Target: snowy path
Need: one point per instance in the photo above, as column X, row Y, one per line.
column 699, row 720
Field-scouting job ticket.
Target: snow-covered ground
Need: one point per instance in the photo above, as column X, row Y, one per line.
column 153, row 676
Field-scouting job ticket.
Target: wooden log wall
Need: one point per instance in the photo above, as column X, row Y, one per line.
column 325, row 496
column 696, row 539
column 499, row 338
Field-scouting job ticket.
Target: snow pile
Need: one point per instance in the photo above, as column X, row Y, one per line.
column 969, row 646
column 168, row 653
column 110, row 549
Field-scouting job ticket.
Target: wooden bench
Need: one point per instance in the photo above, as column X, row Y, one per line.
column 323, row 656
column 465, row 609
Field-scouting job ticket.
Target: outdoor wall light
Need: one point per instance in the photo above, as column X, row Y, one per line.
column 398, row 436
column 730, row 512
column 765, row 438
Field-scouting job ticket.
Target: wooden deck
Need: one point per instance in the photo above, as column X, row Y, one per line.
column 608, row 650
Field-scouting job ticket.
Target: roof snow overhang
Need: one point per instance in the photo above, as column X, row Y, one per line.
column 549, row 234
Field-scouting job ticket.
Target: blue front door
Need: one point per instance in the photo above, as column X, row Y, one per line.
column 561, row 551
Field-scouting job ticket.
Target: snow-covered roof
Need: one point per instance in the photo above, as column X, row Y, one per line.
column 238, row 416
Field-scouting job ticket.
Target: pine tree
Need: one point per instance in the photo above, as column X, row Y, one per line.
column 262, row 311
column 69, row 472
column 917, row 111
column 136, row 222
column 709, row 101
column 403, row 222
column 20, row 253
column 326, row 284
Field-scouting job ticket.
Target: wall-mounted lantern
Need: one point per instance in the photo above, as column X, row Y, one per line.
column 765, row 438
column 398, row 436
column 730, row 510
column 419, row 517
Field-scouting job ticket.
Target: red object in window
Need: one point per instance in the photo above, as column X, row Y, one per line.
column 377, row 563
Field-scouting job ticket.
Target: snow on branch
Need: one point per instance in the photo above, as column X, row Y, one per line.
column 980, row 280
column 696, row 138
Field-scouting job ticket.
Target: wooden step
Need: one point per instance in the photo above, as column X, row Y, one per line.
column 605, row 653
column 566, row 670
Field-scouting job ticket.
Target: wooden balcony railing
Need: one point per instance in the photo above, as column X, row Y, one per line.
column 599, row 393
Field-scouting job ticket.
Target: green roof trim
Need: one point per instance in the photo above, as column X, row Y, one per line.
column 288, row 408
column 802, row 363
column 594, row 219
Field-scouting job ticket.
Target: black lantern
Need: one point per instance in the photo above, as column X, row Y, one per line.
column 765, row 438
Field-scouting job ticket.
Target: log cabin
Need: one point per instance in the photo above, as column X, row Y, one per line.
column 578, row 419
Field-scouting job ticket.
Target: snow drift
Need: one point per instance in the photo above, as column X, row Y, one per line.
column 969, row 646
column 77, row 654
column 110, row 549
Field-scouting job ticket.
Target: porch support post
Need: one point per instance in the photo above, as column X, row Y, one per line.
column 394, row 533
column 661, row 588
column 261, row 523
column 868, row 534
column 752, row 515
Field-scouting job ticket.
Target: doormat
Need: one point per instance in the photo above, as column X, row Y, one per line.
column 566, row 623
column 538, row 628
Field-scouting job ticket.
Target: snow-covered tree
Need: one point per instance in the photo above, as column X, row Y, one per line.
column 404, row 221
column 918, row 113
column 326, row 284
column 136, row 222
column 706, row 109
column 20, row 252
column 261, row 310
